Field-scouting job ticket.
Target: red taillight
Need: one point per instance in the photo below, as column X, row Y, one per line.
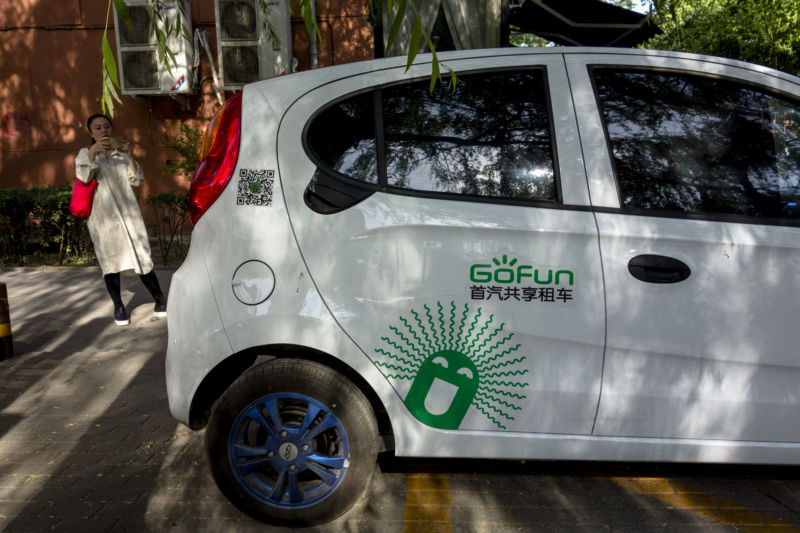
column 217, row 165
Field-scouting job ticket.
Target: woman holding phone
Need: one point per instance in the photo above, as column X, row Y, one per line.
column 115, row 225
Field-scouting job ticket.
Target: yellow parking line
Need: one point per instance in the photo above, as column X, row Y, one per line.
column 713, row 508
column 427, row 503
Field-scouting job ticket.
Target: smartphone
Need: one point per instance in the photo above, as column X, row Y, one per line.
column 116, row 142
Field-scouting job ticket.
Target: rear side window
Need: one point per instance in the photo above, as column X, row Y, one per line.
column 343, row 137
column 490, row 138
column 696, row 144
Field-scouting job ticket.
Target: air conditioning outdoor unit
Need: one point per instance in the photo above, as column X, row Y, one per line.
column 244, row 48
column 137, row 51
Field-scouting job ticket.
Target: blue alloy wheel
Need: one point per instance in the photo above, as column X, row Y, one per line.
column 292, row 442
column 289, row 450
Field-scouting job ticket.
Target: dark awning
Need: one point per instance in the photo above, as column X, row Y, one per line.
column 581, row 22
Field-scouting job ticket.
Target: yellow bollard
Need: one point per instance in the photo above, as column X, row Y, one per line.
column 5, row 326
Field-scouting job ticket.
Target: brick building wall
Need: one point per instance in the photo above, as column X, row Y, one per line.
column 50, row 61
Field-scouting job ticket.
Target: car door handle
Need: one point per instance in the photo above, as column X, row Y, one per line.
column 658, row 269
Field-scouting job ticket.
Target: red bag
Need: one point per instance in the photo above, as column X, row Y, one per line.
column 80, row 204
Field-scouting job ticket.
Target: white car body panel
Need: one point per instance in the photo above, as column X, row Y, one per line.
column 388, row 246
column 196, row 337
column 715, row 356
column 658, row 399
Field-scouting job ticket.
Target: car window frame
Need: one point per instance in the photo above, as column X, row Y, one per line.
column 378, row 119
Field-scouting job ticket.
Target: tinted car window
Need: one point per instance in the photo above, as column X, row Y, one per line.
column 491, row 137
column 343, row 137
column 698, row 144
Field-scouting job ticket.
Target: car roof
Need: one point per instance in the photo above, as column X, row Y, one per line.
column 330, row 73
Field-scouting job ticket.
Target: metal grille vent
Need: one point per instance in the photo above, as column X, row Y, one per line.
column 238, row 20
column 241, row 64
column 140, row 70
column 140, row 34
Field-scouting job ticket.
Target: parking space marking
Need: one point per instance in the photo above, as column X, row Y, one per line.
column 713, row 508
column 427, row 503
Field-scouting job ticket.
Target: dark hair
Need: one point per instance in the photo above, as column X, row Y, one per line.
column 92, row 119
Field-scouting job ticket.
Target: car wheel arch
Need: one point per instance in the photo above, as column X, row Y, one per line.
column 222, row 376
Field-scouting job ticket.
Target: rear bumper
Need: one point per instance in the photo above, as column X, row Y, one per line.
column 196, row 337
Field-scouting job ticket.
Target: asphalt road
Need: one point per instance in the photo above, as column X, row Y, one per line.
column 87, row 444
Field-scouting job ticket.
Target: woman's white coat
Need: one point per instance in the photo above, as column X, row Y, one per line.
column 115, row 225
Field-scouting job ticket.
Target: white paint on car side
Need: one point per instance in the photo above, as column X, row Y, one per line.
column 647, row 379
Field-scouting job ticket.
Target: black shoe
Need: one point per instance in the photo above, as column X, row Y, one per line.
column 160, row 308
column 120, row 316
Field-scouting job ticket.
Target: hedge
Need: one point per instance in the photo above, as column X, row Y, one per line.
column 36, row 227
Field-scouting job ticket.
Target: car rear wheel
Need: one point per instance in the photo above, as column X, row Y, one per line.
column 292, row 442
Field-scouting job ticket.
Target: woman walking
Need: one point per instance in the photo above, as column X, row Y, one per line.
column 115, row 224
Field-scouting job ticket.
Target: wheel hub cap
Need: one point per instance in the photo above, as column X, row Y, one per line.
column 288, row 450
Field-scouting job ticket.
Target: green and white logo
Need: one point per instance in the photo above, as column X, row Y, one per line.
column 508, row 280
column 454, row 360
column 504, row 271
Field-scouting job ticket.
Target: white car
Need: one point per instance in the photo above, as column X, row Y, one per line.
column 578, row 254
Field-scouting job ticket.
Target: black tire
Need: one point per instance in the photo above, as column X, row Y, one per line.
column 255, row 445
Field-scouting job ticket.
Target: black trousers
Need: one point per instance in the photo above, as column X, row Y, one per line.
column 149, row 280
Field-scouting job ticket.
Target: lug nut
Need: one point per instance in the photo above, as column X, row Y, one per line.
column 306, row 447
column 270, row 454
column 292, row 468
column 284, row 434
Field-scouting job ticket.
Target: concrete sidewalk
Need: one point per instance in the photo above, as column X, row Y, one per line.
column 86, row 439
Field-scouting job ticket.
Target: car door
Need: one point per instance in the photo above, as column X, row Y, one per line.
column 449, row 234
column 701, row 246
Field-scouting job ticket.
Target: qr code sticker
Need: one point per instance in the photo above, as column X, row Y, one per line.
column 255, row 187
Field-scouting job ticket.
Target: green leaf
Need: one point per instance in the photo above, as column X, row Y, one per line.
column 165, row 55
column 454, row 81
column 397, row 22
column 435, row 74
column 312, row 28
column 416, row 38
column 123, row 13
column 106, row 103
column 162, row 44
column 112, row 91
column 180, row 28
column 109, row 65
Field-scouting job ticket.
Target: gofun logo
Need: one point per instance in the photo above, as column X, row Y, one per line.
column 505, row 271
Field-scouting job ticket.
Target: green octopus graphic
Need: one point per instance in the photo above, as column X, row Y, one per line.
column 454, row 362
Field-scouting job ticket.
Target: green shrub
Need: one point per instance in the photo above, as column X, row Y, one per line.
column 57, row 228
column 35, row 224
column 36, row 227
column 16, row 206
column 187, row 143
column 171, row 211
